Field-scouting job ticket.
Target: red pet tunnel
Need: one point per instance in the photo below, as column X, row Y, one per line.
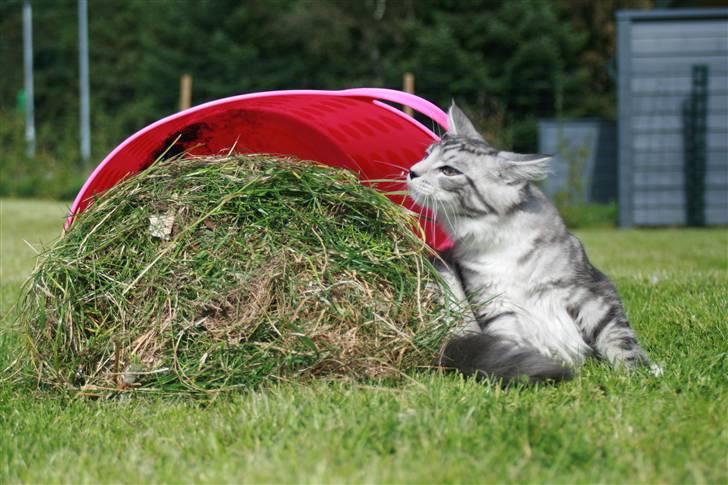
column 355, row 129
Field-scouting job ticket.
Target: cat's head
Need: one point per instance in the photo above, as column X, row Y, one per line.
column 463, row 176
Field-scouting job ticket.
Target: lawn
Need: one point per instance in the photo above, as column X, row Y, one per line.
column 601, row 427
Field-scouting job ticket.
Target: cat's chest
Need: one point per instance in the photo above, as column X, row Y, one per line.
column 496, row 274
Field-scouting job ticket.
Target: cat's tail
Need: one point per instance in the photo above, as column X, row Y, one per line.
column 489, row 356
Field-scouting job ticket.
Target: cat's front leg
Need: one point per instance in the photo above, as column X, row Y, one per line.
column 606, row 329
column 457, row 300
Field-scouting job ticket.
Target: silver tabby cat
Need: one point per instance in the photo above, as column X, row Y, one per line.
column 539, row 307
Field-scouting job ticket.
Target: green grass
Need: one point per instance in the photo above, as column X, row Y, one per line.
column 589, row 215
column 601, row 427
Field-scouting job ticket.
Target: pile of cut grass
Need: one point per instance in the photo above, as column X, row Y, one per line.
column 208, row 274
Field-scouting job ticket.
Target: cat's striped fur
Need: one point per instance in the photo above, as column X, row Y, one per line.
column 540, row 306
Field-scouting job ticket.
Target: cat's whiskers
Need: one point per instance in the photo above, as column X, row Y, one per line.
column 402, row 170
column 427, row 214
column 391, row 164
column 433, row 220
column 447, row 216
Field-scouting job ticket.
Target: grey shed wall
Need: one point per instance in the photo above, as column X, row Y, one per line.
column 656, row 53
column 589, row 143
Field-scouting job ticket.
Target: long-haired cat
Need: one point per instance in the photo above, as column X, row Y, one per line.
column 539, row 306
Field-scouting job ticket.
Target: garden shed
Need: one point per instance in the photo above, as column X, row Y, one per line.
column 673, row 117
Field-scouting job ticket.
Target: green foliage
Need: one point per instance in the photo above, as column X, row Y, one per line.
column 596, row 21
column 602, row 427
column 46, row 175
column 508, row 63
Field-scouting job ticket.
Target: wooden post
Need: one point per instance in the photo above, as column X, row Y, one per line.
column 409, row 87
column 185, row 91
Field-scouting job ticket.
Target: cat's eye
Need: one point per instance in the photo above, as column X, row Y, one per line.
column 449, row 171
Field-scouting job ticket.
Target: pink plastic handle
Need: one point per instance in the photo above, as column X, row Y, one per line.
column 415, row 102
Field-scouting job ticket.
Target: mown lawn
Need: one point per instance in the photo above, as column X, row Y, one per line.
column 601, row 427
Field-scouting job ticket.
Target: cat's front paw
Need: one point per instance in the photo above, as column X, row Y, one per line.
column 656, row 370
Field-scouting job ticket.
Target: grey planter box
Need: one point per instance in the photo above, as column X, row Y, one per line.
column 585, row 158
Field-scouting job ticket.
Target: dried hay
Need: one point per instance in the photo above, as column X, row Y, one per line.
column 209, row 274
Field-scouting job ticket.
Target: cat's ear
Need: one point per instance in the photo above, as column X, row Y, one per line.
column 459, row 124
column 525, row 167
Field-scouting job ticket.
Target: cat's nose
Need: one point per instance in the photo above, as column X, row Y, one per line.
column 413, row 174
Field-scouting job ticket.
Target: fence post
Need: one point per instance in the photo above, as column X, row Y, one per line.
column 408, row 82
column 185, row 92
column 694, row 140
